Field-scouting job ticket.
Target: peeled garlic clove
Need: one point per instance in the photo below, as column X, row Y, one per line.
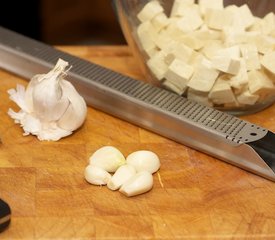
column 144, row 160
column 76, row 112
column 96, row 175
column 140, row 183
column 108, row 158
column 122, row 174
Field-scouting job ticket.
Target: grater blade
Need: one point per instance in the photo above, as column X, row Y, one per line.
column 216, row 133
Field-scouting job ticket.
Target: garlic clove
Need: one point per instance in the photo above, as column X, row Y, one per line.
column 108, row 157
column 122, row 174
column 49, row 102
column 140, row 183
column 144, row 160
column 75, row 114
column 96, row 175
column 29, row 91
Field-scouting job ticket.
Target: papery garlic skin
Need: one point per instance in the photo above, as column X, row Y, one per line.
column 51, row 108
column 122, row 174
column 140, row 183
column 108, row 158
column 96, row 175
column 144, row 160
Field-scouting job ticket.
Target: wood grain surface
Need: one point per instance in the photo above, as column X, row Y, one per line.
column 198, row 197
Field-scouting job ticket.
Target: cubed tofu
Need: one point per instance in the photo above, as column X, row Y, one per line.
column 172, row 30
column 260, row 84
column 265, row 44
column 206, row 33
column 204, row 76
column 191, row 40
column 200, row 97
column 256, row 26
column 227, row 60
column 211, row 47
column 268, row 23
column 217, row 18
column 179, row 50
column 206, row 4
column 163, row 39
column 179, row 7
column 157, row 65
column 268, row 61
column 247, row 98
column 179, row 73
column 232, row 37
column 247, row 18
column 189, row 22
column 147, row 36
column 160, row 21
column 250, row 54
column 221, row 92
column 149, row 11
column 241, row 79
column 173, row 87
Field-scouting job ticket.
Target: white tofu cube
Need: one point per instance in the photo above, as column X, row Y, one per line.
column 265, row 44
column 241, row 79
column 233, row 37
column 221, row 92
column 204, row 77
column 257, row 25
column 157, row 65
column 179, row 50
column 173, row 87
column 227, row 60
column 196, row 59
column 268, row 23
column 189, row 22
column 200, row 97
column 179, row 74
column 150, row 10
column 247, row 98
column 206, row 33
column 268, row 61
column 191, row 40
column 160, row 21
column 163, row 39
column 247, row 18
column 217, row 18
column 206, row 4
column 147, row 36
column 179, row 7
column 211, row 47
column 250, row 54
column 226, row 64
column 172, row 30
column 260, row 84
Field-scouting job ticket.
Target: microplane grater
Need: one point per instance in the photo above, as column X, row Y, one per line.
column 211, row 131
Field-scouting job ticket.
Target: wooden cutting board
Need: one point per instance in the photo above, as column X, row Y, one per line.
column 194, row 196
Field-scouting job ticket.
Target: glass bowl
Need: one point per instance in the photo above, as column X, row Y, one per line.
column 218, row 53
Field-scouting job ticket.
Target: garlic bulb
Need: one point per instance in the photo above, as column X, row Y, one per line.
column 122, row 174
column 140, row 183
column 144, row 160
column 108, row 158
column 51, row 108
column 96, row 175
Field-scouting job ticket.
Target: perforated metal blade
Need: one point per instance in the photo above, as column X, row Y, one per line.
column 214, row 132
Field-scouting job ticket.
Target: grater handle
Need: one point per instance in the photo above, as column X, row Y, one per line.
column 266, row 149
